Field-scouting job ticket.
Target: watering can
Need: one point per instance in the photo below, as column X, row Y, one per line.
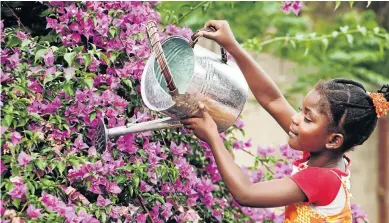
column 178, row 75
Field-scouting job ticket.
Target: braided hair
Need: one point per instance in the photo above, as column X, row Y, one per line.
column 350, row 109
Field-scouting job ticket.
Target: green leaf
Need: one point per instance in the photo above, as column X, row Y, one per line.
column 13, row 41
column 68, row 88
column 112, row 31
column 16, row 202
column 31, row 187
column 87, row 59
column 362, row 30
column 113, row 56
column 46, row 182
column 48, row 78
column 78, row 49
column 88, row 82
column 344, row 29
column 105, row 58
column 36, row 116
column 293, row 43
column 135, row 181
column 376, row 30
column 306, row 51
column 40, row 54
column 325, row 43
column 46, row 12
column 25, row 43
column 74, row 162
column 69, row 58
column 41, row 164
column 130, row 190
column 61, row 166
column 337, row 4
column 7, row 121
column 350, row 39
column 103, row 217
column 351, row 3
column 92, row 116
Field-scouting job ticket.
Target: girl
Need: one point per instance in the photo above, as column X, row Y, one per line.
column 335, row 116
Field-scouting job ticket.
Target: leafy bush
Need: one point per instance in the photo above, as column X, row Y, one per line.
column 54, row 89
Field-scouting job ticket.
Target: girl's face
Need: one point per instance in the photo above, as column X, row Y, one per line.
column 308, row 131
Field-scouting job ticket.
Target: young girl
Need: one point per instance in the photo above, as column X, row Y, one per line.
column 335, row 116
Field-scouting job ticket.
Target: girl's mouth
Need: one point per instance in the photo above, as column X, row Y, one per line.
column 292, row 134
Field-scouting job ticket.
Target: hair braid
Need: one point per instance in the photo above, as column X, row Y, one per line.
column 351, row 110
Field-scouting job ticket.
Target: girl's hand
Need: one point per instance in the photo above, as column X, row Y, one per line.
column 203, row 126
column 223, row 35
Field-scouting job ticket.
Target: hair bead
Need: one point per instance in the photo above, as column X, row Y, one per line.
column 380, row 103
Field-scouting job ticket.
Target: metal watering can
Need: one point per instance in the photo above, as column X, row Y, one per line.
column 178, row 75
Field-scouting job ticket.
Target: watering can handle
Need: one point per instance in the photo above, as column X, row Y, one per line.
column 152, row 33
column 195, row 37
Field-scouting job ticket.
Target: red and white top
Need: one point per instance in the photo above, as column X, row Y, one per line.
column 327, row 190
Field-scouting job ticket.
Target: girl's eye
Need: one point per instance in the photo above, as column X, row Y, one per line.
column 307, row 120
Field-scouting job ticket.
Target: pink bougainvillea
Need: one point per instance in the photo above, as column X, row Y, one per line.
column 53, row 95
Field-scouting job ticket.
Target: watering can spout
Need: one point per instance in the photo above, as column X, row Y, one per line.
column 103, row 134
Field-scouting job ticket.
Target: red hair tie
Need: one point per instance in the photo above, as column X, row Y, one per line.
column 380, row 103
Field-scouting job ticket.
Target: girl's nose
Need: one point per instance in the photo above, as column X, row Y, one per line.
column 295, row 119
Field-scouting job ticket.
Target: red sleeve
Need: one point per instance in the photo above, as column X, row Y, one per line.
column 320, row 185
column 306, row 155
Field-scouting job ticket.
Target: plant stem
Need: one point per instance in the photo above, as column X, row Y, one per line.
column 287, row 38
column 144, row 208
column 190, row 11
column 13, row 13
column 263, row 164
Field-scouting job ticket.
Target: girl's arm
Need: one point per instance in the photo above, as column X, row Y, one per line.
column 262, row 86
column 272, row 193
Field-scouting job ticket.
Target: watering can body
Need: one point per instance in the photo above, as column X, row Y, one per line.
column 177, row 77
column 200, row 76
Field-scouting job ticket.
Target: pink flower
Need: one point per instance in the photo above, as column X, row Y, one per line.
column 239, row 123
column 79, row 143
column 18, row 191
column 35, row 86
column 3, row 129
column 296, row 7
column 16, row 181
column 177, row 150
column 49, row 58
column 103, row 202
column 264, row 152
column 2, row 167
column 33, row 212
column 69, row 72
column 15, row 138
column 24, row 159
column 282, row 170
column 21, row 35
column 286, row 7
column 114, row 188
column 50, row 70
column 141, row 218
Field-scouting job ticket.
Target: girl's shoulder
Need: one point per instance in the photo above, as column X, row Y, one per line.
column 320, row 185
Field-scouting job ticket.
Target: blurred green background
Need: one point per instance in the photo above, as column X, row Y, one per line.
column 326, row 40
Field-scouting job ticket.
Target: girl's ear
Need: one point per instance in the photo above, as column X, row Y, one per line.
column 335, row 141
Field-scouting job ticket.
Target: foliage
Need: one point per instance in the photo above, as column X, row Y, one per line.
column 350, row 43
column 247, row 19
column 355, row 47
column 54, row 88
